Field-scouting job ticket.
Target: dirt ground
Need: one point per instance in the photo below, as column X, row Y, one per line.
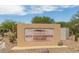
column 73, row 47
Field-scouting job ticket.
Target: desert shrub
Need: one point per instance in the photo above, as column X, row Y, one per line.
column 12, row 36
column 76, row 36
column 60, row 43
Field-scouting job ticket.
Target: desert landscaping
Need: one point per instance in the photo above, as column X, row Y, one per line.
column 39, row 29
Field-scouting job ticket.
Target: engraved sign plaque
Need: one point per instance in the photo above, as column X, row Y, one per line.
column 38, row 34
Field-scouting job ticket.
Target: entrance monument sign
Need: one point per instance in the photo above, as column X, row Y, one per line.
column 38, row 35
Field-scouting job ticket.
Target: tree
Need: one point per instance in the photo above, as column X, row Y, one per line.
column 63, row 24
column 9, row 25
column 42, row 20
column 74, row 25
column 74, row 21
column 8, row 28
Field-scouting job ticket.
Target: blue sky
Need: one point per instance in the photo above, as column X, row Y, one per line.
column 25, row 13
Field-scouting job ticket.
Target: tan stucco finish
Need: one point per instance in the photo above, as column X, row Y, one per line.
column 21, row 35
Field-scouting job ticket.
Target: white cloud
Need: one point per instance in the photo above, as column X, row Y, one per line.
column 44, row 8
column 68, row 6
column 47, row 8
column 41, row 9
column 18, row 10
column 36, row 9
